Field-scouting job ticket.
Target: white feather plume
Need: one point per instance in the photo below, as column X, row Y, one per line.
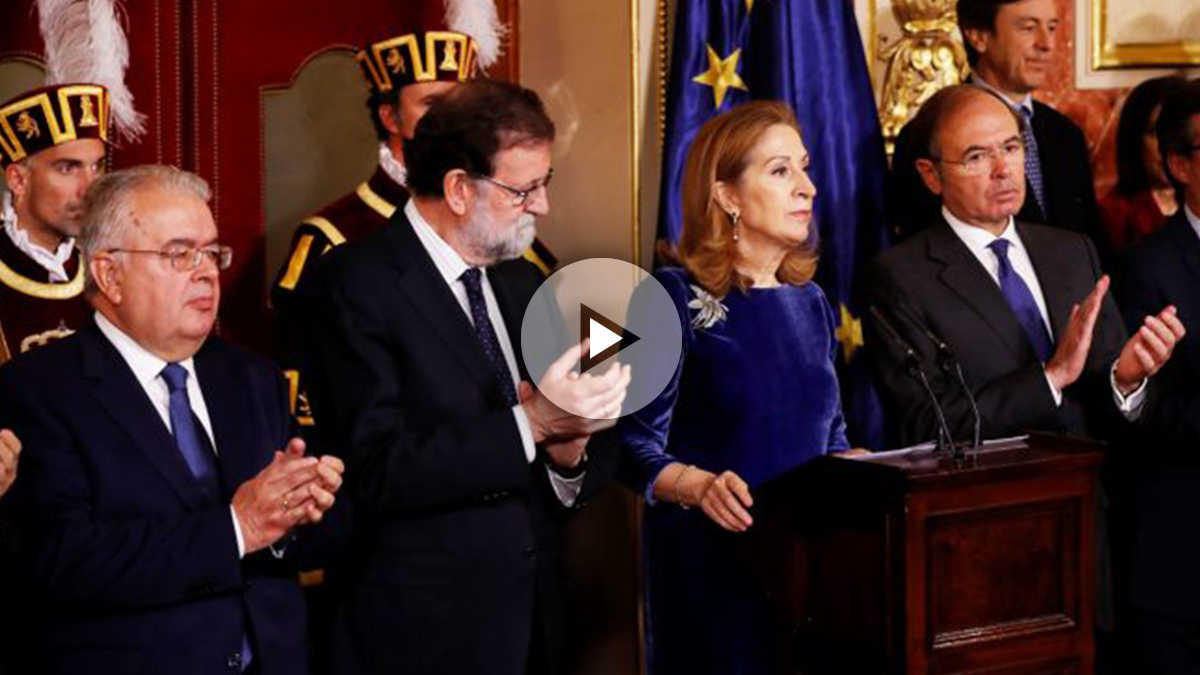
column 85, row 43
column 478, row 18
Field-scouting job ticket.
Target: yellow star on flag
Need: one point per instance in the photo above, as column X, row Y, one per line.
column 849, row 333
column 721, row 75
column 749, row 6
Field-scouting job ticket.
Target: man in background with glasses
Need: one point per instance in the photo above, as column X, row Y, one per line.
column 459, row 473
column 164, row 502
column 1023, row 306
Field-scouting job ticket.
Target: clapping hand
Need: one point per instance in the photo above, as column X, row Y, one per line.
column 1149, row 349
column 1076, row 341
column 292, row 490
column 10, row 449
column 568, row 405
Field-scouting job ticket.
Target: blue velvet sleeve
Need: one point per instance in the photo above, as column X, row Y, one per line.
column 644, row 433
column 837, row 427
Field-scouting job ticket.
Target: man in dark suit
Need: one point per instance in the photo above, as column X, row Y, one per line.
column 1011, row 46
column 1023, row 306
column 159, row 487
column 458, row 471
column 1165, row 499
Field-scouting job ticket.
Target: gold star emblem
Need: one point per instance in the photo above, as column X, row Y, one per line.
column 749, row 6
column 849, row 333
column 721, row 75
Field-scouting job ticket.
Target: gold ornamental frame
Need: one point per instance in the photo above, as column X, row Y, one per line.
column 1109, row 55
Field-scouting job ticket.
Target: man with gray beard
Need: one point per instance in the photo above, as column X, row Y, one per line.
column 459, row 471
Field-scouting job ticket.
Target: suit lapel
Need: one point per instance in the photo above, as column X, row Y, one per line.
column 964, row 276
column 227, row 398
column 425, row 288
column 118, row 392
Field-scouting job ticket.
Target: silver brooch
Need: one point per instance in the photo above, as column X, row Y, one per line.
column 710, row 310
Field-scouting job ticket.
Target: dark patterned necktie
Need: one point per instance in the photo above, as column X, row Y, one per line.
column 1020, row 298
column 1033, row 161
column 487, row 334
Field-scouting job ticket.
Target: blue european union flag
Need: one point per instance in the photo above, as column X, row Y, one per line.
column 806, row 53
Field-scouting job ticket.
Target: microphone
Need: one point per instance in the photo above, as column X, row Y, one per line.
column 950, row 364
column 912, row 363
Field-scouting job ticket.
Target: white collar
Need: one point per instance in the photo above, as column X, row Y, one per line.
column 54, row 261
column 976, row 238
column 1193, row 219
column 145, row 365
column 448, row 262
column 391, row 165
column 1026, row 101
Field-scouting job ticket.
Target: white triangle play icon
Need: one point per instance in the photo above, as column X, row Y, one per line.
column 601, row 338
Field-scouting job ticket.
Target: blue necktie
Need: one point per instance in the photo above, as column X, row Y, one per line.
column 187, row 432
column 487, row 334
column 1033, row 162
column 1020, row 298
column 196, row 452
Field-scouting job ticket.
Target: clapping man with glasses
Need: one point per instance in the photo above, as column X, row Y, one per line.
column 164, row 502
column 1023, row 306
column 459, row 471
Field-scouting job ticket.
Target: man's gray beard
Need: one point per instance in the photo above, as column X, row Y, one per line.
column 499, row 246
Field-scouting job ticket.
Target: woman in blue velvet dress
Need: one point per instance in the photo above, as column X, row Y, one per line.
column 754, row 395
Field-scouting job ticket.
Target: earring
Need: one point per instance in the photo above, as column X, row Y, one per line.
column 735, row 217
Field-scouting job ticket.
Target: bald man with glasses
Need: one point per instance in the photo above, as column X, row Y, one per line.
column 1024, row 307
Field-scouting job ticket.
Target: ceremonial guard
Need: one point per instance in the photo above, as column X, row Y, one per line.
column 52, row 146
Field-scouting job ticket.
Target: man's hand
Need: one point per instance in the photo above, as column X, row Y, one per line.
column 589, row 403
column 1076, row 341
column 567, row 454
column 1148, row 349
column 10, row 449
column 292, row 490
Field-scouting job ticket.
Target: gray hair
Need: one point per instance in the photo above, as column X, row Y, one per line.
column 108, row 207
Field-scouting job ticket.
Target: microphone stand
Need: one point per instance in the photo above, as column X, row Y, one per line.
column 951, row 365
column 912, row 363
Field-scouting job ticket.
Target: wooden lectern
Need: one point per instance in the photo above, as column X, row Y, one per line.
column 916, row 563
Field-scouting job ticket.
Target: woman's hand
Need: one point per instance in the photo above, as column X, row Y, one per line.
column 726, row 499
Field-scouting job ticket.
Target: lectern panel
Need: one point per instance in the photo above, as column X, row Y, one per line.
column 999, row 573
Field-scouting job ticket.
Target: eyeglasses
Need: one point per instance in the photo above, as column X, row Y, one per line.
column 521, row 196
column 188, row 258
column 980, row 161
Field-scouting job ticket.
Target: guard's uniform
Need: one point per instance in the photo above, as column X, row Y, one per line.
column 33, row 309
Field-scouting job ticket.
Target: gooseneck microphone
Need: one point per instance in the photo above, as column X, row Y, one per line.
column 951, row 365
column 912, row 363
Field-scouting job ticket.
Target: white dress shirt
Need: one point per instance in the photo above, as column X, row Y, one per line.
column 977, row 239
column 147, row 370
column 451, row 266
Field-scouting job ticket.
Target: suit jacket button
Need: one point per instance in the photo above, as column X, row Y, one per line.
column 234, row 661
column 530, row 553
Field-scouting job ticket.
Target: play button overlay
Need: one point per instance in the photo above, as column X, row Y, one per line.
column 606, row 337
column 625, row 314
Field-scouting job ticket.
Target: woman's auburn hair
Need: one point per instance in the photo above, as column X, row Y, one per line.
column 721, row 153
